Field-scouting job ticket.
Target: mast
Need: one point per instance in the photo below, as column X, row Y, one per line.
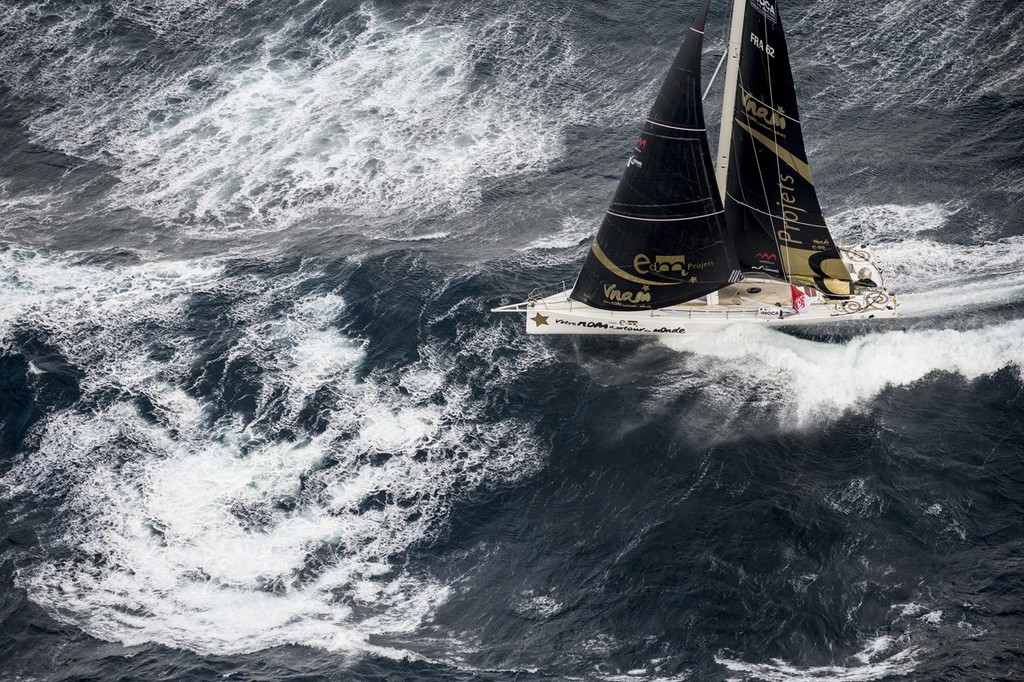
column 732, row 73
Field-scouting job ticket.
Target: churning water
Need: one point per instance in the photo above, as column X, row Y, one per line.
column 257, row 423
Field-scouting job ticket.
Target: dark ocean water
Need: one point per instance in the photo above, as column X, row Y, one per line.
column 256, row 421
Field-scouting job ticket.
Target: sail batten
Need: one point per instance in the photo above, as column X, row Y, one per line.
column 672, row 127
column 665, row 220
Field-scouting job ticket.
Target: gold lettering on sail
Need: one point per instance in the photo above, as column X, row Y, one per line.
column 807, row 263
column 772, row 118
column 614, row 295
column 668, row 265
column 619, row 272
column 790, row 212
column 662, row 265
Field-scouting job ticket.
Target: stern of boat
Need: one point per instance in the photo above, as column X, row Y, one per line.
column 871, row 298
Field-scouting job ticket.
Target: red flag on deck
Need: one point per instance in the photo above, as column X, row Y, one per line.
column 801, row 302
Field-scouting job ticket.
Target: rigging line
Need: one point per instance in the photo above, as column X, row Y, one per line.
column 753, row 148
column 711, row 181
column 772, row 215
column 764, row 193
column 715, row 74
column 786, row 256
column 760, row 171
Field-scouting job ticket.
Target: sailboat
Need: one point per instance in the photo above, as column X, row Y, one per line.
column 693, row 244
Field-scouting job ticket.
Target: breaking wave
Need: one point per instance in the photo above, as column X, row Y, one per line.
column 804, row 382
column 876, row 662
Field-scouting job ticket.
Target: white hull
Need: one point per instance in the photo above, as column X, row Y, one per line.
column 752, row 301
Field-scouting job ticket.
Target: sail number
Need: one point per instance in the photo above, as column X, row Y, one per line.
column 762, row 45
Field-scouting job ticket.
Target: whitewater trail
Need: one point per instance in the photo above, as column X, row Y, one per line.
column 812, row 381
column 803, row 382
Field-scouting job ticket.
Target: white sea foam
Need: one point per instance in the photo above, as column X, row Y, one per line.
column 540, row 606
column 929, row 274
column 807, row 381
column 430, row 236
column 855, row 499
column 391, row 125
column 881, row 657
column 220, row 532
column 571, row 234
column 875, row 662
column 401, row 117
column 892, row 221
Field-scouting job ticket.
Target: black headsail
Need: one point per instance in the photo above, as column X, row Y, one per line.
column 771, row 205
column 664, row 238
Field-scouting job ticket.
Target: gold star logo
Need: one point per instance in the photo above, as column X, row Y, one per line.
column 693, row 280
column 539, row 319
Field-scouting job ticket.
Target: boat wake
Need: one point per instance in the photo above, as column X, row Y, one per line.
column 806, row 382
column 877, row 661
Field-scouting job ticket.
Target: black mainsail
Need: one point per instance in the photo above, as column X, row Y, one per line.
column 664, row 238
column 771, row 206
